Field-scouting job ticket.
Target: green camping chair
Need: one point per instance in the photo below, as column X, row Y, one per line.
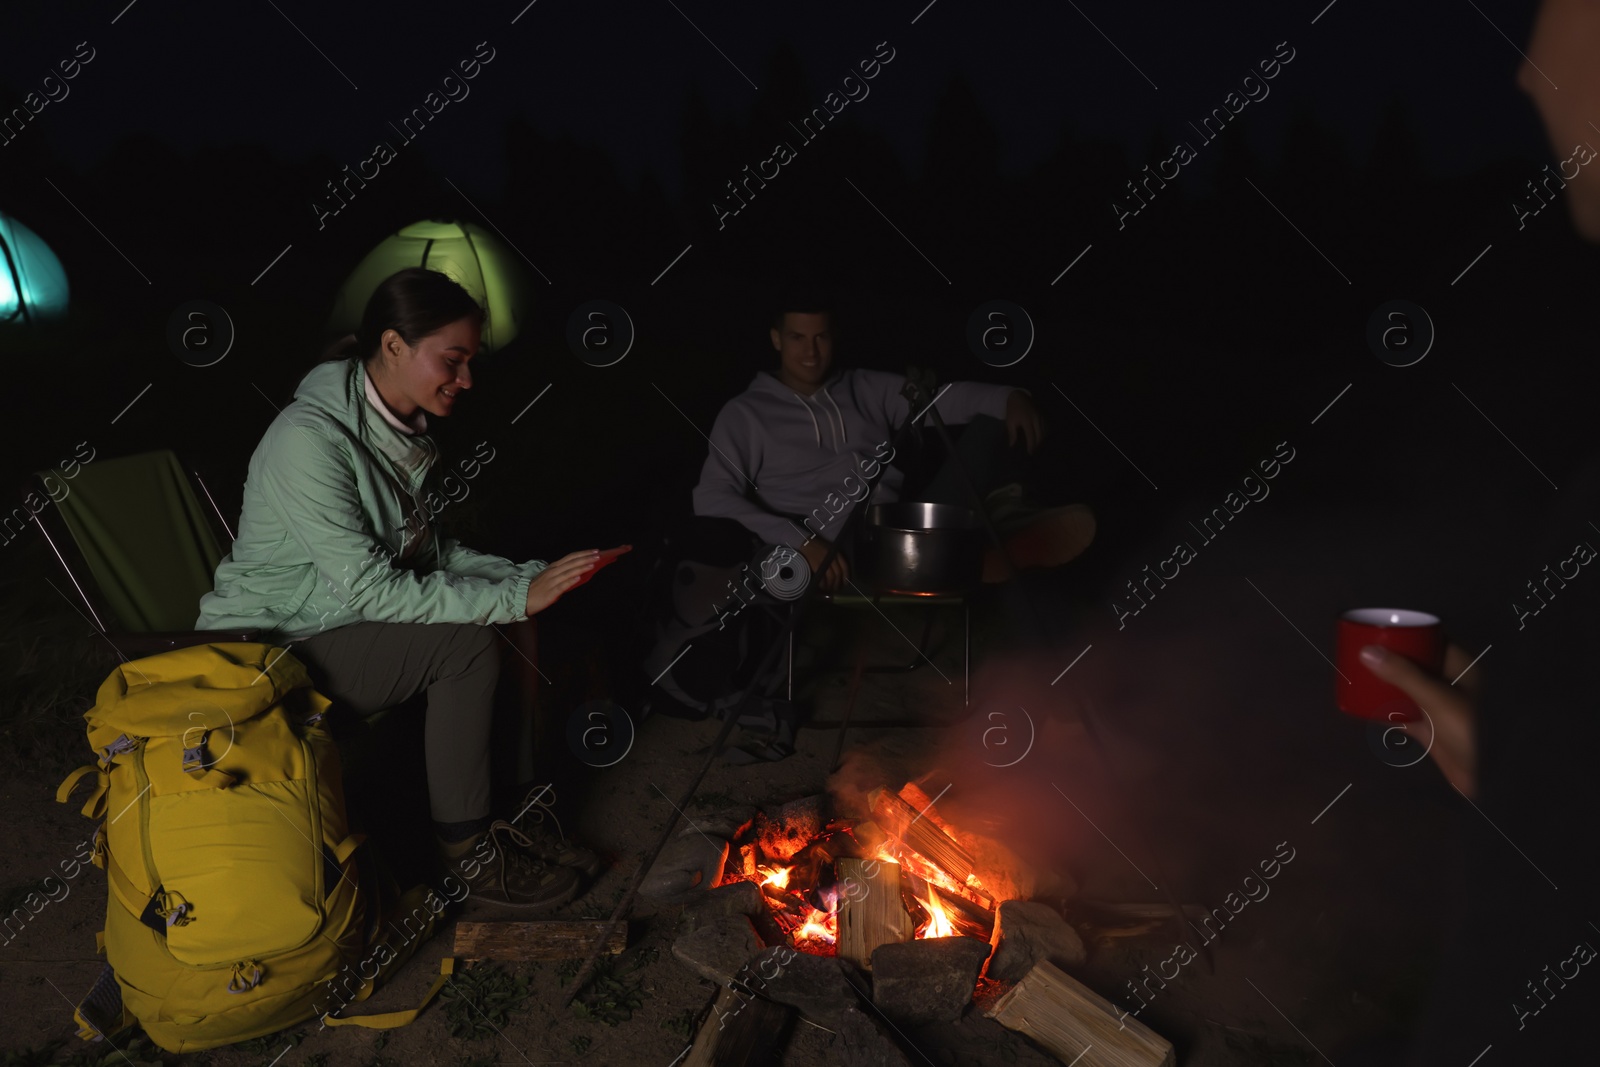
column 139, row 550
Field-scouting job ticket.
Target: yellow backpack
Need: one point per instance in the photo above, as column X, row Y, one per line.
column 234, row 905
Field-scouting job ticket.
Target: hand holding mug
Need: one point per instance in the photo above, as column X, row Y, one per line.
column 1449, row 729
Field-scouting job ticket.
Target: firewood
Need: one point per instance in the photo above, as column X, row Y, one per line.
column 870, row 910
column 1076, row 1025
column 545, row 940
column 740, row 1031
column 903, row 822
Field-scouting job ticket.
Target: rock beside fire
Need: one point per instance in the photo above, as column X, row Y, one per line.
column 686, row 867
column 928, row 981
column 730, row 822
column 1025, row 933
column 718, row 950
column 814, row 984
column 792, row 827
column 735, row 898
column 858, row 1042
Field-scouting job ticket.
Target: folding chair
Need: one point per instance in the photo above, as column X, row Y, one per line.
column 873, row 601
column 139, row 550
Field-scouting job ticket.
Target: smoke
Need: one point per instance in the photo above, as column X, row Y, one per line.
column 1148, row 760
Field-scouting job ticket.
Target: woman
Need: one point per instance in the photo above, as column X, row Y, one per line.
column 337, row 560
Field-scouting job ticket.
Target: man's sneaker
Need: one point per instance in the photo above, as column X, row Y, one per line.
column 551, row 847
column 509, row 875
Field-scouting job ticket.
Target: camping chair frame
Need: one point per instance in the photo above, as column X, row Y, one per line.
column 128, row 644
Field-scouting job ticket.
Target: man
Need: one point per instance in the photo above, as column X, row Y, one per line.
column 790, row 456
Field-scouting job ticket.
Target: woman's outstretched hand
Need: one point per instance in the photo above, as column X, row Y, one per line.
column 560, row 576
column 1451, row 738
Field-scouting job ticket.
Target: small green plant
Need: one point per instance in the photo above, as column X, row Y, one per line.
column 680, row 1023
column 136, row 1050
column 580, row 1044
column 613, row 994
column 478, row 1002
column 381, row 1041
column 43, row 1056
column 316, row 1059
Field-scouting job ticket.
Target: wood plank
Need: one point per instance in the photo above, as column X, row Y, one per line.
column 870, row 910
column 1076, row 1025
column 551, row 939
column 741, row 1030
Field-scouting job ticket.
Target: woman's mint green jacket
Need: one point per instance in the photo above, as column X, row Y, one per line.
column 326, row 503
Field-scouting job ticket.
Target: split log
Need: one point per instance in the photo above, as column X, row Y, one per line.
column 518, row 942
column 1076, row 1025
column 740, row 1031
column 904, row 823
column 870, row 910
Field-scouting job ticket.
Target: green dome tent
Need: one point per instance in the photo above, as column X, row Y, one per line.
column 33, row 286
column 483, row 264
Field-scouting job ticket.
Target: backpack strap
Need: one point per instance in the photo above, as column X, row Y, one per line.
column 197, row 767
column 392, row 1019
column 96, row 805
column 102, row 1012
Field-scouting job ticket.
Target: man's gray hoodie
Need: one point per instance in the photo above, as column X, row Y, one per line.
column 775, row 453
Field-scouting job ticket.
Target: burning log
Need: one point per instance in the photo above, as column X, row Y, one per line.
column 965, row 916
column 740, row 1031
column 870, row 911
column 1076, row 1025
column 903, row 822
column 547, row 940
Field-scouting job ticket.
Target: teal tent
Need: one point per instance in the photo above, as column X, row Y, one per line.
column 485, row 266
column 33, row 286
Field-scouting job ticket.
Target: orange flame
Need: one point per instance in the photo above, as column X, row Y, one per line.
column 939, row 922
column 819, row 925
column 775, row 876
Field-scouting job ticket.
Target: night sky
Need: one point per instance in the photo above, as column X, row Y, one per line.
column 298, row 78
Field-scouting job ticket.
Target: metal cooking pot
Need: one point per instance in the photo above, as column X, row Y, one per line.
column 921, row 548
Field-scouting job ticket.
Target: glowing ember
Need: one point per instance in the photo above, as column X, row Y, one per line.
column 774, row 876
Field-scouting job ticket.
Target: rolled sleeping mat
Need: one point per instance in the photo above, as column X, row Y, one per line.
column 783, row 572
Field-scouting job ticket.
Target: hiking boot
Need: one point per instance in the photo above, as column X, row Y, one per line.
column 509, row 875
column 1041, row 538
column 550, row 847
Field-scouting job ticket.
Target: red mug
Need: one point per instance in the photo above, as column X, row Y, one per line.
column 1413, row 634
column 606, row 556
